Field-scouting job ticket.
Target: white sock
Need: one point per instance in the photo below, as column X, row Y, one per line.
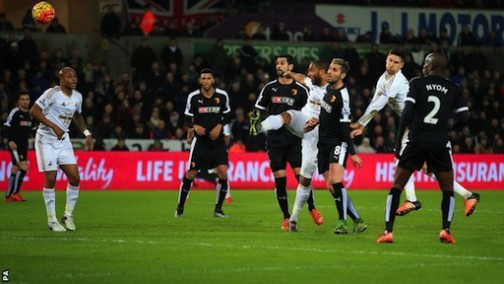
column 302, row 194
column 409, row 188
column 72, row 194
column 272, row 122
column 344, row 197
column 50, row 204
column 459, row 189
column 228, row 192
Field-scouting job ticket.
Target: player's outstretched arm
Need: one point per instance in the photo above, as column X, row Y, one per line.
column 299, row 77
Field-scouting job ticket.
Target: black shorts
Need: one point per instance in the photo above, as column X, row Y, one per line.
column 331, row 154
column 279, row 153
column 438, row 158
column 18, row 155
column 206, row 155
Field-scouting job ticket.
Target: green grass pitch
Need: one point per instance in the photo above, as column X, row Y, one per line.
column 132, row 237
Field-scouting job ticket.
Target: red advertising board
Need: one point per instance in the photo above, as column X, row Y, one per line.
column 162, row 170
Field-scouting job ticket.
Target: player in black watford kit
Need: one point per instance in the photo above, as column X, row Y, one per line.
column 335, row 144
column 17, row 129
column 431, row 102
column 283, row 147
column 207, row 111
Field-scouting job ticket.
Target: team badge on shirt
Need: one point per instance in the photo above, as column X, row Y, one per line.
column 217, row 100
column 294, row 92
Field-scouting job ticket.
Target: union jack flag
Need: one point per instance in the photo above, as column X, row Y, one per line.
column 178, row 11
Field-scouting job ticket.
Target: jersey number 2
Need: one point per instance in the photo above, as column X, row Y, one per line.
column 429, row 118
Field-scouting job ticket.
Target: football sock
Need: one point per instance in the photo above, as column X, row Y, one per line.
column 272, row 122
column 185, row 187
column 302, row 194
column 340, row 198
column 50, row 203
column 351, row 211
column 447, row 207
column 19, row 180
column 281, row 195
column 460, row 190
column 310, row 201
column 222, row 187
column 409, row 189
column 72, row 194
column 11, row 184
column 392, row 204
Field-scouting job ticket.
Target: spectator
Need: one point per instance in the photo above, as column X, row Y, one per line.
column 28, row 22
column 141, row 60
column 110, row 25
column 218, row 58
column 386, row 36
column 365, row 147
column 157, row 146
column 99, row 144
column 259, row 34
column 55, row 27
column 171, row 54
column 121, row 145
column 326, row 35
column 466, row 36
column 365, row 38
column 279, row 32
column 248, row 55
column 5, row 25
column 132, row 29
column 171, row 30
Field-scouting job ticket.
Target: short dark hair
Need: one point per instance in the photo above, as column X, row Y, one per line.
column 22, row 93
column 398, row 51
column 290, row 59
column 207, row 71
column 321, row 65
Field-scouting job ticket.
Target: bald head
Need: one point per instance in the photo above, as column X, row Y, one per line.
column 65, row 70
column 435, row 63
column 68, row 79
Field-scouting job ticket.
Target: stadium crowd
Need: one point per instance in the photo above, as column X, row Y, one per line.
column 147, row 101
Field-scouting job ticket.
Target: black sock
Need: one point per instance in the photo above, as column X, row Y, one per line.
column 185, row 187
column 310, row 201
column 10, row 186
column 340, row 199
column 222, row 187
column 393, row 200
column 447, row 206
column 281, row 195
column 19, row 180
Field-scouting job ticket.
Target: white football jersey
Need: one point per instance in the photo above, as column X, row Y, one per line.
column 58, row 108
column 315, row 96
column 391, row 91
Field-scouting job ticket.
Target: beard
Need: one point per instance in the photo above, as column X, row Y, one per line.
column 280, row 73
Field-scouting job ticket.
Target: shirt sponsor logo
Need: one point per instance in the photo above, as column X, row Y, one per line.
column 216, row 109
column 283, row 100
column 326, row 106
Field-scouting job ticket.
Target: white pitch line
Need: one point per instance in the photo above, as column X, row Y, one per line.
column 255, row 247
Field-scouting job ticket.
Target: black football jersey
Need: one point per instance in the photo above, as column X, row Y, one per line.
column 208, row 112
column 276, row 98
column 334, row 111
column 435, row 100
column 18, row 127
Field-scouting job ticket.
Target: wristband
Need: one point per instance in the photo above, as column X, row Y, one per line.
column 87, row 133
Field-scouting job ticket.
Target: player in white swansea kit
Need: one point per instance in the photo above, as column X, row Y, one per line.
column 294, row 121
column 55, row 109
column 392, row 88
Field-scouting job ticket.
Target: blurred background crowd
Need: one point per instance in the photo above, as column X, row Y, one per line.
column 147, row 101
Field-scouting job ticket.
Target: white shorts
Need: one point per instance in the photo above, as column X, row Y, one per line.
column 298, row 121
column 309, row 153
column 51, row 152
